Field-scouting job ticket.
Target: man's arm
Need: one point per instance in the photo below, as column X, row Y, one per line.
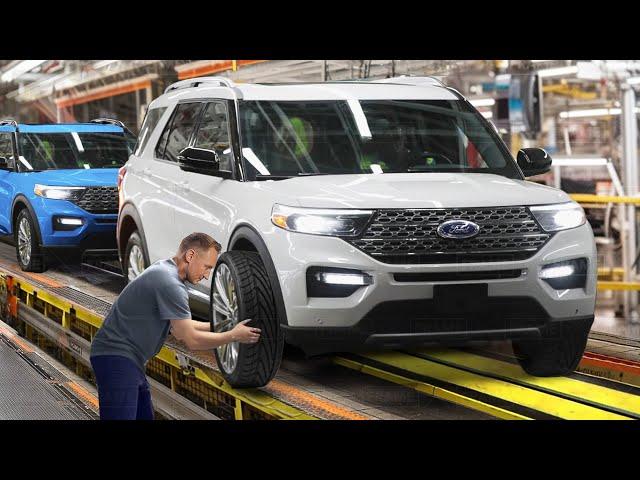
column 195, row 337
column 202, row 326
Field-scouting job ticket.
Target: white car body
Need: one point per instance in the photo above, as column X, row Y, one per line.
column 171, row 202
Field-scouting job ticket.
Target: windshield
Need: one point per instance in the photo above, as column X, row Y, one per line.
column 56, row 151
column 292, row 138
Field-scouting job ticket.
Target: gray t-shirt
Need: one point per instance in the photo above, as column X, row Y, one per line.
column 139, row 320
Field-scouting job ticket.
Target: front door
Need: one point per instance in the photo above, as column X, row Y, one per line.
column 203, row 205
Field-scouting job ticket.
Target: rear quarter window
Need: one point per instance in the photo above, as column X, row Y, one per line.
column 149, row 124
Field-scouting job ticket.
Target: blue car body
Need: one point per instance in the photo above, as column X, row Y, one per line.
column 97, row 208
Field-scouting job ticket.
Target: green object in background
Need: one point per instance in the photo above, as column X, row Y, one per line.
column 48, row 149
column 366, row 161
column 302, row 146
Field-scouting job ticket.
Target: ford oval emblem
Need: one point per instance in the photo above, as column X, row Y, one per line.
column 458, row 229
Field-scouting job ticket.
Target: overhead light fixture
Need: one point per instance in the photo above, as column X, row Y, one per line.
column 633, row 81
column 578, row 162
column 482, row 102
column 593, row 112
column 558, row 72
column 487, row 114
column 20, row 68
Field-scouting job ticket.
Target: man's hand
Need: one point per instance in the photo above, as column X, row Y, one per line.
column 244, row 334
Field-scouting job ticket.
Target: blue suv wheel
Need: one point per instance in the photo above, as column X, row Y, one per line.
column 28, row 252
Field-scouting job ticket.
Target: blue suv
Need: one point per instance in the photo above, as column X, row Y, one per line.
column 58, row 188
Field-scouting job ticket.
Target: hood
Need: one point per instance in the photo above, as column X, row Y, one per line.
column 412, row 190
column 97, row 177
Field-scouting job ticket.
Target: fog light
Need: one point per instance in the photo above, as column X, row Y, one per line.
column 565, row 275
column 344, row 278
column 557, row 272
column 67, row 223
column 335, row 282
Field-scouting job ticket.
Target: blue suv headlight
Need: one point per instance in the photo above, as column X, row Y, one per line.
column 59, row 193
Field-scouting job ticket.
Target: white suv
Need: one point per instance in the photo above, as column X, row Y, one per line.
column 356, row 215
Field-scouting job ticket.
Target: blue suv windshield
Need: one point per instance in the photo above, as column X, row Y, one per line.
column 293, row 138
column 73, row 150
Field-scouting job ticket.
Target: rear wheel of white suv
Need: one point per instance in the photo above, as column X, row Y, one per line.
column 557, row 355
column 240, row 289
column 134, row 258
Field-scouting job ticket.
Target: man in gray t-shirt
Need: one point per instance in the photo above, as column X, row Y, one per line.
column 139, row 321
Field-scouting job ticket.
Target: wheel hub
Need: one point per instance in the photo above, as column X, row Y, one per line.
column 225, row 315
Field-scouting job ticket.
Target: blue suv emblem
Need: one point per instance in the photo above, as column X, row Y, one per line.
column 459, row 229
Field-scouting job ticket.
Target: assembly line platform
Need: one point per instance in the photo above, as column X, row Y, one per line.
column 61, row 310
column 33, row 388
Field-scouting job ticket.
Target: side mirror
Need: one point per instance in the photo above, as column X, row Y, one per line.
column 533, row 161
column 200, row 160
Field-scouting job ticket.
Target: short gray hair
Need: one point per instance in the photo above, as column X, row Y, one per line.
column 199, row 240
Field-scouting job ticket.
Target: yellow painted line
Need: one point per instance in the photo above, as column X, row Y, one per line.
column 602, row 285
column 526, row 397
column 610, row 271
column 588, row 198
column 83, row 394
column 431, row 390
column 568, row 386
column 24, row 346
column 314, row 403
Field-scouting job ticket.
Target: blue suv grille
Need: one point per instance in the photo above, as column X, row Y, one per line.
column 99, row 200
column 410, row 236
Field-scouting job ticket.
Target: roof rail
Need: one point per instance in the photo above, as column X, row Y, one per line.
column 109, row 121
column 9, row 121
column 194, row 82
column 412, row 80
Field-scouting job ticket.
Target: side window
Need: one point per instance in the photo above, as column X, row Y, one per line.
column 150, row 122
column 213, row 133
column 6, row 150
column 177, row 131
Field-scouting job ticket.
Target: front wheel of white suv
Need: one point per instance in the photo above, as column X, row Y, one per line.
column 556, row 355
column 240, row 289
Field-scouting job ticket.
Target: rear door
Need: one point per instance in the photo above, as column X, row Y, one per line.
column 160, row 175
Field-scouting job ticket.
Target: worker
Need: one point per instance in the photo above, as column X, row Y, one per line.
column 139, row 321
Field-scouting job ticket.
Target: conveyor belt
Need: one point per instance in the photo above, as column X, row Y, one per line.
column 499, row 387
column 32, row 389
column 68, row 308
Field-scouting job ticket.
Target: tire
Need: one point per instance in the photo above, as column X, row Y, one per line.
column 255, row 364
column 132, row 267
column 553, row 356
column 27, row 241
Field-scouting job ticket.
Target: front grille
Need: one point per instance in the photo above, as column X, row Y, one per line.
column 99, row 200
column 410, row 236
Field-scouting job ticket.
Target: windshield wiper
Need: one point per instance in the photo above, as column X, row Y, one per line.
column 260, row 176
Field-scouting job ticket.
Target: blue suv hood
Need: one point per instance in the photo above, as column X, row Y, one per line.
column 76, row 177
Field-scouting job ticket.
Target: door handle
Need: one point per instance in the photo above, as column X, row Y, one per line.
column 182, row 186
column 146, row 172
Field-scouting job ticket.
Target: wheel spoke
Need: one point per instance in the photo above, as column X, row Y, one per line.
column 221, row 290
column 219, row 306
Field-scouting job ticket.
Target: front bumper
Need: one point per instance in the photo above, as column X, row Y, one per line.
column 293, row 253
column 97, row 233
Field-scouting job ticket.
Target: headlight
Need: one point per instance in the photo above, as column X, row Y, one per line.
column 339, row 223
column 58, row 193
column 559, row 216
